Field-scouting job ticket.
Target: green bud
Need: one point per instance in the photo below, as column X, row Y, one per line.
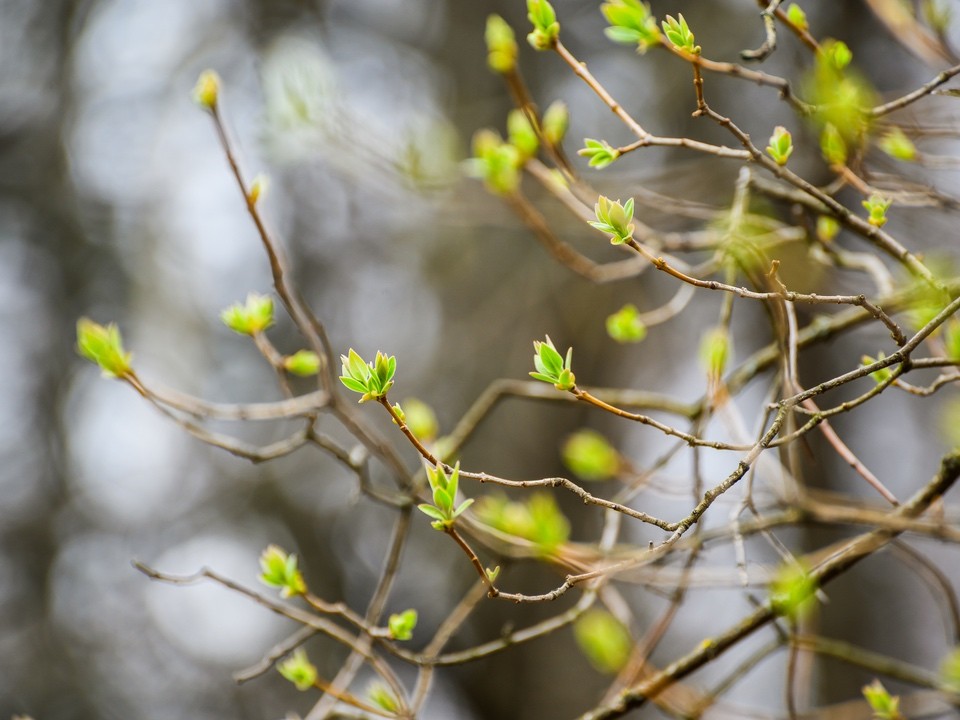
column 840, row 97
column 501, row 45
column 833, row 146
column 253, row 317
column 797, row 16
column 631, row 23
column 485, row 141
column 303, row 363
column 421, row 419
column 793, row 592
column 495, row 162
column 207, row 90
column 897, row 145
column 603, row 639
column 588, row 454
column 781, row 145
column 837, row 53
column 549, row 528
column 444, row 489
column 551, row 367
column 279, row 570
column 383, row 697
column 598, row 152
column 625, row 325
column 546, row 29
column 298, row 669
column 103, row 346
column 521, row 134
column 372, row 380
column 679, row 34
column 884, row 706
column 827, row 228
column 614, row 219
column 877, row 206
column 556, row 120
column 401, row 625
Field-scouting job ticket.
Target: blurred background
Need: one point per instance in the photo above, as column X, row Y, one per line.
column 116, row 203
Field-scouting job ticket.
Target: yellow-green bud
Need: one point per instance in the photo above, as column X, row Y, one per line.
column 207, row 90
column 501, row 45
column 303, row 363
column 556, row 120
column 103, row 346
column 257, row 188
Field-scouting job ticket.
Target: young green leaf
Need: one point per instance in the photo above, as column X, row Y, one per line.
column 550, row 367
column 501, row 45
column 679, row 34
column 598, row 152
column 588, row 454
column 896, row 144
column 603, row 639
column 827, row 228
column 793, row 592
column 495, row 162
column 837, row 53
column 298, row 669
column 401, row 625
column 372, row 380
column 631, row 23
column 797, row 17
column 103, row 346
column 546, row 29
column 521, row 134
column 279, row 570
column 877, row 206
column 444, row 489
column 781, row 145
column 556, row 120
column 883, row 705
column 833, row 146
column 614, row 219
column 303, row 363
column 625, row 325
column 252, row 317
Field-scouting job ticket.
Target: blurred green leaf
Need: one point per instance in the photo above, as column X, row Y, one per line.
column 298, row 669
column 625, row 325
column 603, row 639
column 103, row 346
column 501, row 45
column 588, row 454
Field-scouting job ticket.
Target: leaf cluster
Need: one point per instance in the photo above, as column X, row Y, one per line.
column 444, row 488
column 372, row 380
column 551, row 367
column 631, row 23
column 614, row 219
